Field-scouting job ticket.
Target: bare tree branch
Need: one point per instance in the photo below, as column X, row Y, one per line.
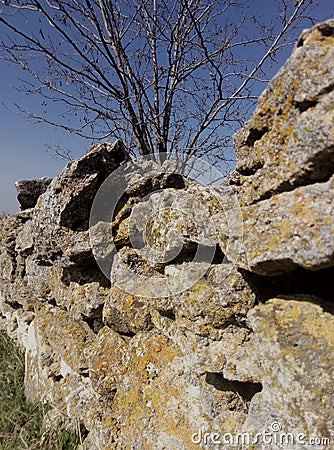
column 163, row 75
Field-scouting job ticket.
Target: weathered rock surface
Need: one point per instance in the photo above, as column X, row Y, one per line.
column 135, row 191
column 190, row 316
column 230, row 299
column 300, row 335
column 276, row 150
column 285, row 161
column 291, row 229
column 28, row 191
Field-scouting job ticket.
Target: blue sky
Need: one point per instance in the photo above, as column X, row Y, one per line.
column 23, row 148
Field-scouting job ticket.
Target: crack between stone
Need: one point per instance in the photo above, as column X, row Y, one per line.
column 303, row 180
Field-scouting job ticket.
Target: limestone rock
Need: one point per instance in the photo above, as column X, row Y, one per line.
column 229, row 294
column 24, row 241
column 65, row 206
column 157, row 396
column 172, row 221
column 185, row 225
column 16, row 298
column 233, row 355
column 71, row 193
column 298, row 391
column 101, row 241
column 86, row 407
column 52, row 240
column 80, row 292
column 67, row 338
column 131, row 273
column 10, row 226
column 28, row 191
column 125, row 313
column 288, row 230
column 283, row 179
column 136, row 189
column 276, row 149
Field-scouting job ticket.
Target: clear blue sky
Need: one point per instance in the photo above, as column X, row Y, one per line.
column 23, row 145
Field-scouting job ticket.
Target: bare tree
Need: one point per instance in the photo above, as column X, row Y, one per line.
column 163, row 75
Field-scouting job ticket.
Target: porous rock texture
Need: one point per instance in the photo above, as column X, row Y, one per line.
column 28, row 191
column 219, row 333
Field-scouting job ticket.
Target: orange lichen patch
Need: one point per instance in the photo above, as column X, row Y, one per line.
column 147, row 388
column 284, row 228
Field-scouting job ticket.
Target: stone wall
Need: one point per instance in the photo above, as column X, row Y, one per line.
column 161, row 313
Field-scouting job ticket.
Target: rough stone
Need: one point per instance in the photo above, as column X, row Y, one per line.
column 135, row 190
column 28, row 191
column 288, row 230
column 229, row 294
column 65, row 206
column 190, row 285
column 298, row 391
column 125, row 313
column 171, row 221
column 275, row 150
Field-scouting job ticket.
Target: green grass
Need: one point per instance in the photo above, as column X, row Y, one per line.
column 21, row 421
